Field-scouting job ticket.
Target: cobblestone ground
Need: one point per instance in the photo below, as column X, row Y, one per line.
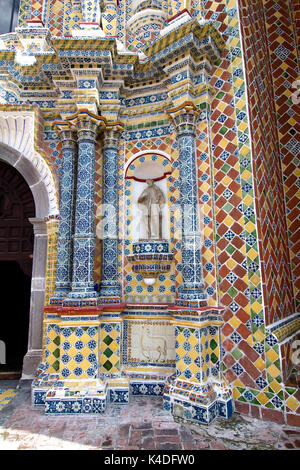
column 142, row 425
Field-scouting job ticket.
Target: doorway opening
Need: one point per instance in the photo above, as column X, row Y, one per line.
column 16, row 249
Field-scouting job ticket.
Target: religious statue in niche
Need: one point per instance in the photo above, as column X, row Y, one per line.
column 151, row 202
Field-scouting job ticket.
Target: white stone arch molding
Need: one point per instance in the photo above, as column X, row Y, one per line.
column 17, row 149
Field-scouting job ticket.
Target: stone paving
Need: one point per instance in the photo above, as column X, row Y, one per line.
column 142, row 425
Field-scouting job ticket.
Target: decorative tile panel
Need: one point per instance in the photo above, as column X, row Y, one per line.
column 110, row 348
column 79, row 351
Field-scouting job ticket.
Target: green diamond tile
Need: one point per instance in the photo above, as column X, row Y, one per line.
column 107, row 365
column 214, row 358
column 108, row 352
column 107, row 340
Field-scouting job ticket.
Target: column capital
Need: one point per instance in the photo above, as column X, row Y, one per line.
column 184, row 117
column 66, row 134
column 39, row 225
column 86, row 123
column 112, row 133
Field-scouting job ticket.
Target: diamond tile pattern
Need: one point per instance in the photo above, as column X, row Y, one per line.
column 52, row 349
column 79, row 351
column 110, row 348
column 284, row 63
column 197, row 353
column 247, row 183
column 268, row 178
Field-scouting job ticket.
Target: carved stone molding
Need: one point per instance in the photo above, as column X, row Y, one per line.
column 17, row 131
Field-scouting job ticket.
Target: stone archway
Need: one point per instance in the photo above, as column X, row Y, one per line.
column 18, row 130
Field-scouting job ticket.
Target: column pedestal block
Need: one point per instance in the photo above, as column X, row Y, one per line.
column 195, row 403
column 197, row 392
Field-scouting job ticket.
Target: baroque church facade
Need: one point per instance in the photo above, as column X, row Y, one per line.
column 150, row 194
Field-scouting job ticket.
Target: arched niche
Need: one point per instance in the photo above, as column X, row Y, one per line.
column 150, row 165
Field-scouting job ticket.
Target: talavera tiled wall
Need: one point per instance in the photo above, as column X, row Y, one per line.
column 247, row 163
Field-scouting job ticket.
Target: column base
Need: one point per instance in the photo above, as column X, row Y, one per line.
column 81, row 298
column 88, row 293
column 118, row 390
column 109, row 300
column 191, row 402
column 30, row 363
column 86, row 397
column 190, row 303
column 58, row 296
column 109, row 292
column 191, row 297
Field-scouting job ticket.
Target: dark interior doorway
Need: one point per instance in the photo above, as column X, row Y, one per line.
column 15, row 285
column 16, row 249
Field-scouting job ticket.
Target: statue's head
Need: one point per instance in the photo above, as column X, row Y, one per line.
column 150, row 182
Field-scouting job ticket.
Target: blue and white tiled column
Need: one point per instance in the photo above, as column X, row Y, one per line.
column 66, row 216
column 197, row 392
column 110, row 288
column 191, row 292
column 84, row 234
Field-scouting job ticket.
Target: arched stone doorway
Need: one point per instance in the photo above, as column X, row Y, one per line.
column 36, row 174
column 16, row 253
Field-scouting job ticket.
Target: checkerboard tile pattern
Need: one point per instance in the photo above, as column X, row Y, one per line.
column 36, row 9
column 79, row 351
column 188, row 354
column 206, row 206
column 110, row 335
column 52, row 347
column 109, row 19
column 52, row 232
column 50, row 277
column 249, row 362
column 237, row 269
column 55, row 12
column 284, row 63
column 23, row 12
column 197, row 353
column 270, row 205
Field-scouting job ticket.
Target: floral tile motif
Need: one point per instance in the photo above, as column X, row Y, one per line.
column 79, row 351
